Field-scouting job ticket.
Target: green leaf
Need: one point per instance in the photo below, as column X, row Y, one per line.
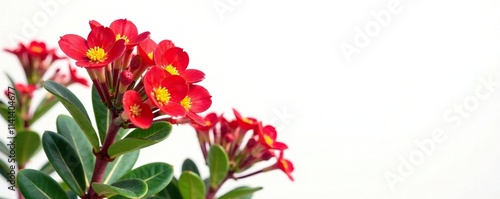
column 218, row 163
column 65, row 161
column 4, row 111
column 47, row 168
column 157, row 175
column 120, row 166
column 75, row 108
column 171, row 191
column 27, row 144
column 240, row 192
column 101, row 113
column 130, row 188
column 189, row 165
column 191, row 186
column 18, row 123
column 44, row 106
column 122, row 132
column 4, row 149
column 34, row 184
column 140, row 138
column 67, row 127
column 4, row 169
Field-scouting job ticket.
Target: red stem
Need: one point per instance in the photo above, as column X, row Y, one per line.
column 102, row 159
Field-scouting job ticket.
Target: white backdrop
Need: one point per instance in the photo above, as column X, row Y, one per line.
column 376, row 99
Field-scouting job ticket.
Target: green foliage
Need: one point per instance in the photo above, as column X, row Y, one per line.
column 34, row 184
column 75, row 108
column 218, row 163
column 130, row 188
column 65, row 161
column 191, row 186
column 141, row 138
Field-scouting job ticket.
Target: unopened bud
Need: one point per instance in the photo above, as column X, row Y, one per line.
column 126, row 78
column 251, row 142
column 228, row 137
column 267, row 155
column 135, row 63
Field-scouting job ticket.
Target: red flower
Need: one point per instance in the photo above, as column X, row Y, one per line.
column 246, row 123
column 37, row 49
column 197, row 100
column 100, row 48
column 267, row 137
column 166, row 91
column 26, row 89
column 126, row 30
column 285, row 165
column 139, row 113
column 146, row 51
column 210, row 121
column 175, row 61
column 74, row 77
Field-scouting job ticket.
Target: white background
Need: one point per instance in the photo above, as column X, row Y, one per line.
column 348, row 124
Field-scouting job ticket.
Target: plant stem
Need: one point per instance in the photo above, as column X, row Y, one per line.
column 213, row 191
column 102, row 159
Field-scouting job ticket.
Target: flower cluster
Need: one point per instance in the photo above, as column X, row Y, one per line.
column 36, row 59
column 246, row 141
column 142, row 80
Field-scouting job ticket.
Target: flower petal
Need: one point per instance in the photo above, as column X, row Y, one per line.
column 74, row 46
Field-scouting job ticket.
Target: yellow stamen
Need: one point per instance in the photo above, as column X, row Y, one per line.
column 172, row 70
column 208, row 123
column 162, row 95
column 36, row 49
column 285, row 165
column 135, row 110
column 268, row 140
column 124, row 37
column 150, row 55
column 186, row 103
column 246, row 120
column 96, row 54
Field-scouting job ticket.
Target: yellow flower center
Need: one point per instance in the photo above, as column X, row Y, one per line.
column 171, row 69
column 285, row 165
column 268, row 140
column 246, row 120
column 135, row 110
column 124, row 37
column 36, row 49
column 162, row 95
column 208, row 123
column 96, row 54
column 150, row 55
column 186, row 103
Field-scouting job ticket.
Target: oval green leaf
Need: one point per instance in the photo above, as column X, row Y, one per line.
column 218, row 163
column 157, row 175
column 27, row 145
column 189, row 165
column 67, row 127
column 4, row 169
column 101, row 113
column 65, row 161
column 120, row 166
column 191, row 186
column 34, row 184
column 240, row 193
column 140, row 138
column 130, row 188
column 75, row 108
